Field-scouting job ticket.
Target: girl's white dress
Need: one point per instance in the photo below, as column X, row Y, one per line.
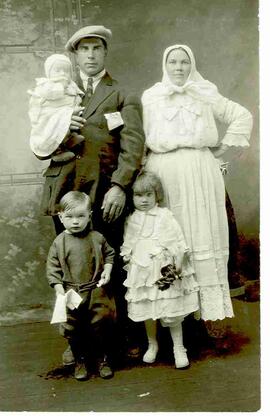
column 180, row 128
column 153, row 239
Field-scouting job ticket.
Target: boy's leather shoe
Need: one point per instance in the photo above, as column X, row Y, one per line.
column 104, row 369
column 80, row 372
column 68, row 357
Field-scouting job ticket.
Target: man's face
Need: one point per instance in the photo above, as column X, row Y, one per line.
column 90, row 55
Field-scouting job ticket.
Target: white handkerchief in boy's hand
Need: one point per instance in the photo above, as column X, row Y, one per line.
column 59, row 312
column 114, row 120
column 73, row 299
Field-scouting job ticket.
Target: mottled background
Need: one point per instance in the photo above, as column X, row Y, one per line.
column 224, row 38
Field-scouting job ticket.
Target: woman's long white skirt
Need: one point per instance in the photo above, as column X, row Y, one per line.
column 195, row 193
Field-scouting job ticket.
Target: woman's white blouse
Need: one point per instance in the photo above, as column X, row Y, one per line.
column 177, row 120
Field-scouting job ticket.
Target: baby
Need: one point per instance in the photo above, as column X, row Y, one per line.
column 51, row 106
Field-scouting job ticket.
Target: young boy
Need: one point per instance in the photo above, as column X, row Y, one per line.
column 81, row 259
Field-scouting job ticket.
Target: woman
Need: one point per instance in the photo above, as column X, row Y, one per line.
column 182, row 138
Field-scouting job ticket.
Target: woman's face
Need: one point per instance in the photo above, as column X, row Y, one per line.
column 178, row 66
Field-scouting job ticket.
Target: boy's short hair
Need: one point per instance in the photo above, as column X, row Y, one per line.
column 72, row 199
column 148, row 181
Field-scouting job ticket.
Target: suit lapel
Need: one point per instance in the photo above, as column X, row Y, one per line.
column 102, row 91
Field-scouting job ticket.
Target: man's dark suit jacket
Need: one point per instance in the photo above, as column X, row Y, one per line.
column 106, row 157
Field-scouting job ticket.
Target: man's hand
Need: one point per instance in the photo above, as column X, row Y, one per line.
column 59, row 290
column 77, row 122
column 105, row 275
column 113, row 203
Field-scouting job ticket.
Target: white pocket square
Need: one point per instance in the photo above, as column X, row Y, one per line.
column 114, row 120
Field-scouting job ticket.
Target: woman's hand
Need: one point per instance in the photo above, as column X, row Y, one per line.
column 77, row 122
column 113, row 203
column 219, row 150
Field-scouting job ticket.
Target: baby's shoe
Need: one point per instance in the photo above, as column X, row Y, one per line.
column 151, row 354
column 180, row 357
column 64, row 156
column 73, row 140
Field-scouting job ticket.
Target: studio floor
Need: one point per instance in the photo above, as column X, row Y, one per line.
column 216, row 381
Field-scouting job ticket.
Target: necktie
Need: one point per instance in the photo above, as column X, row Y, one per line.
column 89, row 88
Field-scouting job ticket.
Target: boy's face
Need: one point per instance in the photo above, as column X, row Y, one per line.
column 76, row 219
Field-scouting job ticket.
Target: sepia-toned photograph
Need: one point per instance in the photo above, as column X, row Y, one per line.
column 130, row 206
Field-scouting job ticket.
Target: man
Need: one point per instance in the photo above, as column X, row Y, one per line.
column 108, row 159
column 107, row 162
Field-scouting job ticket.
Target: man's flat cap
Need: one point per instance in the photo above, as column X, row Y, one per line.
column 88, row 32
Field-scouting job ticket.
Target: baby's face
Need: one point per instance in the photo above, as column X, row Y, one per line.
column 60, row 71
column 144, row 201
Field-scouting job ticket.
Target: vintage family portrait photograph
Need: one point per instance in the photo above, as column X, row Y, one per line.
column 130, row 206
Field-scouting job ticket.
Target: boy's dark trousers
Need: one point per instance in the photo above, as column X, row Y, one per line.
column 89, row 328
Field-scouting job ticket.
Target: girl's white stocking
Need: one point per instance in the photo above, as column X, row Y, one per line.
column 180, row 355
column 151, row 332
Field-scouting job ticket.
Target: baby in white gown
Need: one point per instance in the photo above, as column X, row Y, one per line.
column 51, row 106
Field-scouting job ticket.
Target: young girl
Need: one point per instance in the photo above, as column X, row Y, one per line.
column 160, row 282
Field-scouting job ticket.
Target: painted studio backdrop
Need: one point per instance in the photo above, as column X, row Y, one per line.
column 224, row 38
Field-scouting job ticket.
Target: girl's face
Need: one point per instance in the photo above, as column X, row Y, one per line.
column 76, row 219
column 144, row 200
column 178, row 66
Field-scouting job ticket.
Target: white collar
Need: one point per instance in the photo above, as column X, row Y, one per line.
column 95, row 78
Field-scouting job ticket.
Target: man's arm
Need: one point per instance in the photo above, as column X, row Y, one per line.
column 130, row 157
column 131, row 142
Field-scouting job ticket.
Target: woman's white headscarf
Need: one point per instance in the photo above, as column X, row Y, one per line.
column 195, row 86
